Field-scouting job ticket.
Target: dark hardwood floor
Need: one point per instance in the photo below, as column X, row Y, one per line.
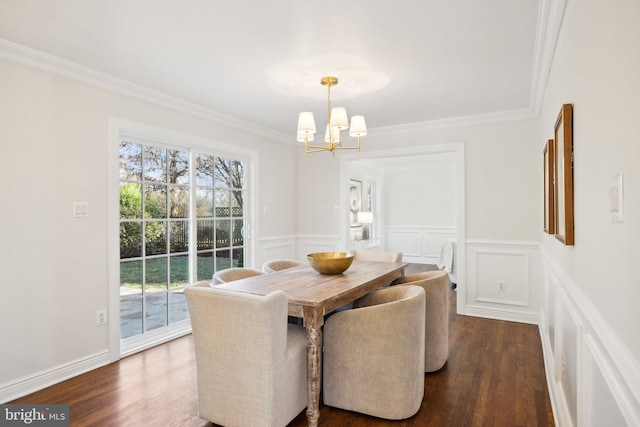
column 494, row 377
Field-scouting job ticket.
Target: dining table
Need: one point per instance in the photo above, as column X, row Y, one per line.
column 311, row 296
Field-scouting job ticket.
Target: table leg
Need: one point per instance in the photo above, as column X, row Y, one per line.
column 313, row 323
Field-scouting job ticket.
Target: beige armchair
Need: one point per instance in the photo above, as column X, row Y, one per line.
column 234, row 273
column 250, row 372
column 436, row 286
column 378, row 256
column 279, row 264
column 374, row 354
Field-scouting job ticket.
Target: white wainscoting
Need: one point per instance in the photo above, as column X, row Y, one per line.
column 420, row 245
column 593, row 379
column 310, row 244
column 270, row 248
column 501, row 280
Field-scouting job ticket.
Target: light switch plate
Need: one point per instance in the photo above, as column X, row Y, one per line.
column 80, row 209
column 616, row 198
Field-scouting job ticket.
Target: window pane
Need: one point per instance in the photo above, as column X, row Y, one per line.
column 130, row 239
column 179, row 201
column 204, row 169
column 238, row 258
column 155, row 234
column 204, row 233
column 155, row 275
column 155, row 164
column 237, row 203
column 130, row 317
column 155, row 308
column 155, row 201
column 222, row 203
column 229, row 173
column 237, row 174
column 204, row 202
column 223, row 233
column 179, row 271
column 130, row 278
column 179, row 236
column 237, row 233
column 178, row 307
column 130, row 201
column 204, row 266
column 223, row 260
column 178, row 167
column 222, row 172
column 130, row 161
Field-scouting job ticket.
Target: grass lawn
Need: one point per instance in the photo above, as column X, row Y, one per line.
column 158, row 269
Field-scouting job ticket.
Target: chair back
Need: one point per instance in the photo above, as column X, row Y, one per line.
column 436, row 287
column 377, row 256
column 240, row 341
column 374, row 354
column 234, row 273
column 279, row 264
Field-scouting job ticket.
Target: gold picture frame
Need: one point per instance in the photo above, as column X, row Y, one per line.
column 563, row 166
column 549, row 180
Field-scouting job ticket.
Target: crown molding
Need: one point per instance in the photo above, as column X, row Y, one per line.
column 550, row 15
column 41, row 61
column 474, row 120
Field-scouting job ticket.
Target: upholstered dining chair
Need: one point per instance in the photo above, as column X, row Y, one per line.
column 234, row 273
column 436, row 287
column 279, row 264
column 374, row 354
column 249, row 373
column 378, row 256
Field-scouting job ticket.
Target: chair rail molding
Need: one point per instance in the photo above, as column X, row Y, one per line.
column 591, row 374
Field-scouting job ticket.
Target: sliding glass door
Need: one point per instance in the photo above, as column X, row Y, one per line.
column 182, row 218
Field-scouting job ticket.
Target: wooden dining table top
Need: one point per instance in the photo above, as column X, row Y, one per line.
column 306, row 287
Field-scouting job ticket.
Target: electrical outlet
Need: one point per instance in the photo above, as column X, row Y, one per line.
column 101, row 317
column 502, row 287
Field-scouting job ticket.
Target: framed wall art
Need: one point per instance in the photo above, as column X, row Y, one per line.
column 563, row 137
column 549, row 205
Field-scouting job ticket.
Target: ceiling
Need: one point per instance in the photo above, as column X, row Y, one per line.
column 399, row 62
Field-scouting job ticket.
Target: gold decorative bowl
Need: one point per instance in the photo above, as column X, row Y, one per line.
column 330, row 262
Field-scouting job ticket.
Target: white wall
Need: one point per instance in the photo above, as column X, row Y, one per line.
column 54, row 267
column 421, row 197
column 592, row 289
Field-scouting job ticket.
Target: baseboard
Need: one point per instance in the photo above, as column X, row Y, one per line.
column 32, row 383
column 508, row 315
column 547, row 357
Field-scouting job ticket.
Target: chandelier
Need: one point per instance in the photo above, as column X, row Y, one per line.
column 337, row 121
